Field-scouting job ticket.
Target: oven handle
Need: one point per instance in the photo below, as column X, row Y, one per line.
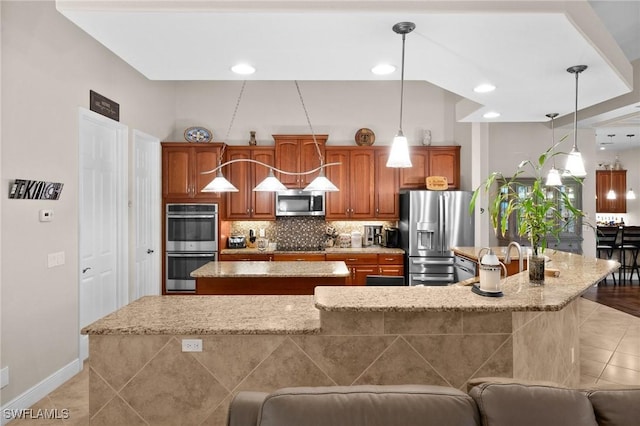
column 191, row 216
column 191, row 254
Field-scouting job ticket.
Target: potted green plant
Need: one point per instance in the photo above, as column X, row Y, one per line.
column 538, row 213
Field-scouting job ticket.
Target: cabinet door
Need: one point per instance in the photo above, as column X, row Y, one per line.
column 414, row 177
column 263, row 203
column 337, row 206
column 360, row 272
column 605, row 181
column 386, row 184
column 288, row 159
column 603, row 184
column 445, row 161
column 361, row 191
column 239, row 174
column 309, row 159
column 176, row 172
column 205, row 159
column 619, row 184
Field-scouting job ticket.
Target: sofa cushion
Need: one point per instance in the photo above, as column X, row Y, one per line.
column 369, row 405
column 245, row 408
column 616, row 407
column 509, row 404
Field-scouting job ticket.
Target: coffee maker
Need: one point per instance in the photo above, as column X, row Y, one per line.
column 372, row 235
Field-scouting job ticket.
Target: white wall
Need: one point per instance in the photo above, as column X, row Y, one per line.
column 48, row 67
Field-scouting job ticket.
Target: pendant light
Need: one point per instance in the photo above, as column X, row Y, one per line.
column 553, row 177
column 220, row 183
column 270, row 184
column 399, row 155
column 575, row 164
column 631, row 195
column 320, row 182
column 611, row 195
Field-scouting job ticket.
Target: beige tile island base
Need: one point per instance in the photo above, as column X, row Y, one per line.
column 342, row 335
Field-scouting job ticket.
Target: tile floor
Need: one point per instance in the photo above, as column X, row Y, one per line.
column 609, row 350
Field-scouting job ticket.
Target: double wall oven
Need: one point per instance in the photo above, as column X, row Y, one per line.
column 191, row 234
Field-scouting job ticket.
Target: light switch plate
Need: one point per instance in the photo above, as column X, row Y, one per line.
column 46, row 215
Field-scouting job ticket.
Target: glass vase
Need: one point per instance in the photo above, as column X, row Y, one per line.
column 536, row 269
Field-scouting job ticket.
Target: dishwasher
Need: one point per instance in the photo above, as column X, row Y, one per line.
column 464, row 268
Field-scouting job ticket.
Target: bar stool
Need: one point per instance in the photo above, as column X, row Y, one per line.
column 629, row 245
column 607, row 237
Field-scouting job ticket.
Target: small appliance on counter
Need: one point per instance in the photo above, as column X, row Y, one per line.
column 392, row 237
column 372, row 235
column 237, row 242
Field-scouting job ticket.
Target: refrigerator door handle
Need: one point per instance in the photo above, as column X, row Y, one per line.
column 441, row 220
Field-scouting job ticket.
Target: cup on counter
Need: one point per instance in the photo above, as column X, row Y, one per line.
column 262, row 243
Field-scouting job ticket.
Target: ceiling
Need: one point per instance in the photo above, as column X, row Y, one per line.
column 521, row 47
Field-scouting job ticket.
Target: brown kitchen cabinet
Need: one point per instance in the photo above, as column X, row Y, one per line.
column 611, row 179
column 298, row 153
column 313, row 257
column 355, row 179
column 237, row 257
column 431, row 161
column 247, row 203
column 391, row 264
column 360, row 265
column 386, row 187
column 182, row 164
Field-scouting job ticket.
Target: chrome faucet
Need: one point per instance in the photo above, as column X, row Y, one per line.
column 507, row 258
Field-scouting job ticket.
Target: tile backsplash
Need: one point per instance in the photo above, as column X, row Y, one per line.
column 292, row 233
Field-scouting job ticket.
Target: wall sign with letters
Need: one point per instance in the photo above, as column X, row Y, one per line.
column 104, row 106
column 35, row 190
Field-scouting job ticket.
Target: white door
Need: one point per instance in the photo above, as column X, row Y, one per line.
column 147, row 215
column 103, row 218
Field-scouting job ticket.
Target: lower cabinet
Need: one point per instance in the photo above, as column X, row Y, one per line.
column 361, row 265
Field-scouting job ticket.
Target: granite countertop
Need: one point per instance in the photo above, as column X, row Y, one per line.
column 500, row 252
column 577, row 274
column 359, row 250
column 189, row 315
column 272, row 269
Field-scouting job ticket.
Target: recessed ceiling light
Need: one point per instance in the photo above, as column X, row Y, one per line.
column 602, row 148
column 383, row 69
column 491, row 114
column 243, row 69
column 484, row 88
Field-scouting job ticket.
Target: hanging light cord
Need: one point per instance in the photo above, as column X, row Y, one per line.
column 575, row 117
column 233, row 118
column 402, row 84
column 313, row 135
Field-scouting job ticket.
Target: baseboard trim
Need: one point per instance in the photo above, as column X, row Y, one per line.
column 39, row 391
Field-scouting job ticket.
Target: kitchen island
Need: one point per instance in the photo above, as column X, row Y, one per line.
column 342, row 335
column 264, row 277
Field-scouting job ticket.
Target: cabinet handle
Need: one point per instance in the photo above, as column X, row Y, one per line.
column 247, row 211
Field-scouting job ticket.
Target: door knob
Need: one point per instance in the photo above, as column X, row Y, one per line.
column 86, row 269
column 149, row 251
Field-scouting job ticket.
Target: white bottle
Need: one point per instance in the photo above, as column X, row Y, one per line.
column 356, row 239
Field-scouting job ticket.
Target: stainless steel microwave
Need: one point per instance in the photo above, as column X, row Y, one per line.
column 300, row 203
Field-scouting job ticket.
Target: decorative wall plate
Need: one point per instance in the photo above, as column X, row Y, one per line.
column 365, row 137
column 198, row 134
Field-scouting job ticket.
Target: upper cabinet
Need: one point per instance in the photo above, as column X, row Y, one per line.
column 247, row 203
column 605, row 181
column 182, row 164
column 386, row 183
column 431, row 161
column 298, row 153
column 354, row 177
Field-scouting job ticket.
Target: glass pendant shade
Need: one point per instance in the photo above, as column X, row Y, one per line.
column 631, row 195
column 270, row 184
column 611, row 195
column 219, row 184
column 575, row 165
column 321, row 183
column 399, row 154
column 553, row 178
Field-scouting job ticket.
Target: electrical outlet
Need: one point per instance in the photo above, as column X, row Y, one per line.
column 191, row 345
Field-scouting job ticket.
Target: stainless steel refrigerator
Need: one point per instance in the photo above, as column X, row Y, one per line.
column 431, row 223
